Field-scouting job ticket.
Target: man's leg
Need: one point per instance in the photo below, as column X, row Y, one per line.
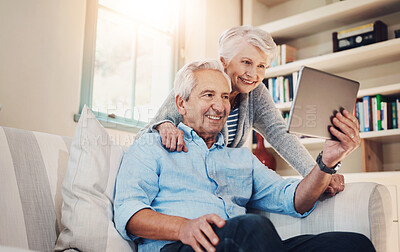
column 330, row 241
column 248, row 232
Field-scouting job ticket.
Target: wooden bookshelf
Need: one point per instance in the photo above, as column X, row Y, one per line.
column 309, row 31
column 308, row 25
column 284, row 106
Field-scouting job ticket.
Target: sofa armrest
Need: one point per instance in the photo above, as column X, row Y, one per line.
column 362, row 207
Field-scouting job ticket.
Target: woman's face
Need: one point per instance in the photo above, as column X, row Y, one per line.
column 246, row 69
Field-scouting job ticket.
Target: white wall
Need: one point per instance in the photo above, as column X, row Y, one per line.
column 40, row 63
column 205, row 21
column 41, row 45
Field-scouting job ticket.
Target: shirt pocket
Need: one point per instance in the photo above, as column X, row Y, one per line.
column 236, row 183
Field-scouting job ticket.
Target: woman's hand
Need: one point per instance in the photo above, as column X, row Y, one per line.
column 336, row 185
column 172, row 138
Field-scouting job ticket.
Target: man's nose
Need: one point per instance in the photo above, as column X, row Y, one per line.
column 218, row 105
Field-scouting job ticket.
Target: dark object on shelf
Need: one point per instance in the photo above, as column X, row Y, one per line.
column 397, row 33
column 359, row 36
column 263, row 155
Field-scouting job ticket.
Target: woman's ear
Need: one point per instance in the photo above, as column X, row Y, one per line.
column 223, row 61
column 180, row 105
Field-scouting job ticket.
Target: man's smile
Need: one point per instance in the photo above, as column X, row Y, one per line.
column 213, row 117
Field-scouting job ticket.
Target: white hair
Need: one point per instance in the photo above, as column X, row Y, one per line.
column 185, row 80
column 230, row 42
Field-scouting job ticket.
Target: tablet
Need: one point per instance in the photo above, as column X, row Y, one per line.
column 318, row 96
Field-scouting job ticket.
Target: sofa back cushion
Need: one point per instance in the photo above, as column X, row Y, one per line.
column 32, row 166
column 88, row 190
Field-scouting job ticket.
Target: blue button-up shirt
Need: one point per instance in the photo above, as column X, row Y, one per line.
column 190, row 184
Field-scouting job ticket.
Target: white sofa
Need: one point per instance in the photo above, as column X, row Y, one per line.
column 33, row 166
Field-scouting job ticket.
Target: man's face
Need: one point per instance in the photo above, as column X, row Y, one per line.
column 208, row 107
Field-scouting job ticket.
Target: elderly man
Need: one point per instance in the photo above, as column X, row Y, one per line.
column 196, row 200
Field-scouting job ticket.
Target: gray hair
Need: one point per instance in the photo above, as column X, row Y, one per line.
column 185, row 80
column 231, row 39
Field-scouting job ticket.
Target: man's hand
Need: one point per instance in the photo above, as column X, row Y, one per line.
column 336, row 185
column 349, row 138
column 198, row 233
column 316, row 182
column 172, row 137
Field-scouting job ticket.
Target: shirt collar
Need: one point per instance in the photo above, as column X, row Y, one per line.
column 191, row 135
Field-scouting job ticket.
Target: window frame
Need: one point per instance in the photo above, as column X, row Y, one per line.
column 88, row 66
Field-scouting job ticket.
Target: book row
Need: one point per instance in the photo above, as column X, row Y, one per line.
column 282, row 88
column 378, row 112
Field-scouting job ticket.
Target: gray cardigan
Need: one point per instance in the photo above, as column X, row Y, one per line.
column 257, row 110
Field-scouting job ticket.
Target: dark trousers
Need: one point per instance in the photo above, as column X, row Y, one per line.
column 252, row 232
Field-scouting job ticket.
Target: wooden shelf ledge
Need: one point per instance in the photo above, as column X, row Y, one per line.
column 329, row 17
column 382, row 136
column 360, row 57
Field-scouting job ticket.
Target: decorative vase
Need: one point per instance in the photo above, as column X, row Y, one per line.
column 263, row 154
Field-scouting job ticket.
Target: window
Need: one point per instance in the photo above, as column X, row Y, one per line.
column 129, row 58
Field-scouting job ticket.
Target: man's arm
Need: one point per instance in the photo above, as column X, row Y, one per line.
column 314, row 184
column 157, row 226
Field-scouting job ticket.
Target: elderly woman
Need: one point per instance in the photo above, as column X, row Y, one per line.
column 245, row 52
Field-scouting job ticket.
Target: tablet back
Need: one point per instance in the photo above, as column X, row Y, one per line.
column 318, row 96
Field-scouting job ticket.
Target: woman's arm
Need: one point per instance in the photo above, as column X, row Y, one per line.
column 270, row 124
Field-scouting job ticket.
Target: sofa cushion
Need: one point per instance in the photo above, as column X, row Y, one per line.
column 32, row 168
column 88, row 190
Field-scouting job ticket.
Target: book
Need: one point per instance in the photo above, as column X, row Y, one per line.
column 398, row 112
column 271, row 86
column 281, row 96
column 389, row 116
column 287, row 89
column 367, row 113
column 379, row 100
column 375, row 112
column 394, row 116
column 277, row 60
column 384, row 116
column 357, row 115
column 288, row 54
column 360, row 107
column 291, row 93
column 294, row 81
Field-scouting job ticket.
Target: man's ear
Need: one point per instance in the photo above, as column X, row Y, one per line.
column 180, row 105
